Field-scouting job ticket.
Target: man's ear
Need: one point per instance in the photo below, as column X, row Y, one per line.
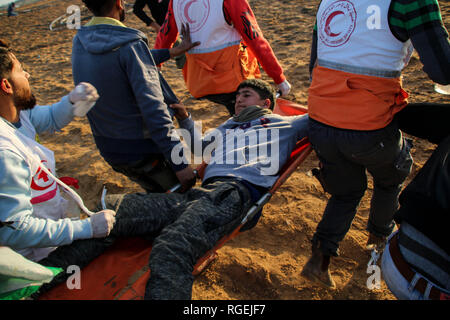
column 119, row 4
column 267, row 103
column 5, row 86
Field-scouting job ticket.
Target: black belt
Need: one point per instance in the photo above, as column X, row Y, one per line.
column 406, row 271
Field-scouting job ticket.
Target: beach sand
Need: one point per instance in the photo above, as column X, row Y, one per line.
column 265, row 262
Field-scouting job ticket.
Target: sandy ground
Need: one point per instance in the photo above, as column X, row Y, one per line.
column 264, row 263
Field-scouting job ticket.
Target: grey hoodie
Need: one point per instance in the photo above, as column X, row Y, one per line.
column 131, row 118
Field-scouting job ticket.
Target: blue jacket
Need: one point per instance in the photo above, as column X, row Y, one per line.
column 131, row 119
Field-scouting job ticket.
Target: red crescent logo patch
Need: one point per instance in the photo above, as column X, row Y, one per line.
column 41, row 181
column 337, row 23
column 194, row 12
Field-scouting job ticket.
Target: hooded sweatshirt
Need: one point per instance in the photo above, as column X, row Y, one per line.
column 131, row 118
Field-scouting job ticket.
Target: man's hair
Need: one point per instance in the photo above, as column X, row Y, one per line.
column 6, row 62
column 99, row 7
column 263, row 88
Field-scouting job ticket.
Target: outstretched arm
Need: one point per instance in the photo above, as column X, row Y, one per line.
column 240, row 15
column 55, row 117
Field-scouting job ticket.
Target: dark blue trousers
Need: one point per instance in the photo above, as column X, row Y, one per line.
column 346, row 156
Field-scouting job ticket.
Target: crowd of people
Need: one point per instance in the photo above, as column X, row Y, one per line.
column 358, row 113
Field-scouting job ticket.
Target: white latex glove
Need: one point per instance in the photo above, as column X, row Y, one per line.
column 102, row 223
column 284, row 87
column 83, row 97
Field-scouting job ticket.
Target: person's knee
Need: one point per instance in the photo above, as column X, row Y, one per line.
column 345, row 188
column 397, row 172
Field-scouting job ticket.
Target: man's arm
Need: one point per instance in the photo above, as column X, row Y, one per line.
column 240, row 15
column 55, row 117
column 15, row 179
column 421, row 21
column 52, row 118
column 195, row 140
column 185, row 45
column 160, row 55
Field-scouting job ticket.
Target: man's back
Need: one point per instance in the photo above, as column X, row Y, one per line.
column 131, row 116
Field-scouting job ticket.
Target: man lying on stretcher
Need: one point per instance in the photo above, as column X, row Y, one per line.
column 247, row 152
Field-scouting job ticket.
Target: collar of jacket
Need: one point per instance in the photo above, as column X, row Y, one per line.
column 104, row 20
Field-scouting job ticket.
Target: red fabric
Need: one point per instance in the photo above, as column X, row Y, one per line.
column 288, row 108
column 109, row 276
column 45, row 197
column 168, row 32
column 71, row 182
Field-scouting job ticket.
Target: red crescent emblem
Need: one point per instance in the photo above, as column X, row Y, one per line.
column 344, row 25
column 40, row 175
column 327, row 24
column 186, row 11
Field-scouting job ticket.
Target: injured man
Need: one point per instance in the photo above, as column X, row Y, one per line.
column 244, row 156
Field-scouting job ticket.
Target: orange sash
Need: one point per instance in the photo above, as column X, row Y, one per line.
column 351, row 101
column 219, row 71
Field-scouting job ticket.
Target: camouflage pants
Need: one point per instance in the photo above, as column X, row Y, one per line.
column 184, row 227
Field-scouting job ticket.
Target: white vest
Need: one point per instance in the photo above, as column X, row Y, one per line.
column 354, row 36
column 207, row 24
column 45, row 193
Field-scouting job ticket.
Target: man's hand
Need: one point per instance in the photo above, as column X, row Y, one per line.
column 84, row 91
column 83, row 98
column 187, row 178
column 284, row 87
column 155, row 26
column 102, row 223
column 180, row 111
column 186, row 43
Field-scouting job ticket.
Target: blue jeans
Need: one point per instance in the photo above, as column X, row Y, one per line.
column 345, row 155
column 399, row 286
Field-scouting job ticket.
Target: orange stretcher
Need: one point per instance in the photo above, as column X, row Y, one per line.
column 122, row 272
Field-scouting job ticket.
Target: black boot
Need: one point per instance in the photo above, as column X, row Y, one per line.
column 316, row 269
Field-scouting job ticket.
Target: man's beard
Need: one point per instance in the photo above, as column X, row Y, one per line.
column 24, row 101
